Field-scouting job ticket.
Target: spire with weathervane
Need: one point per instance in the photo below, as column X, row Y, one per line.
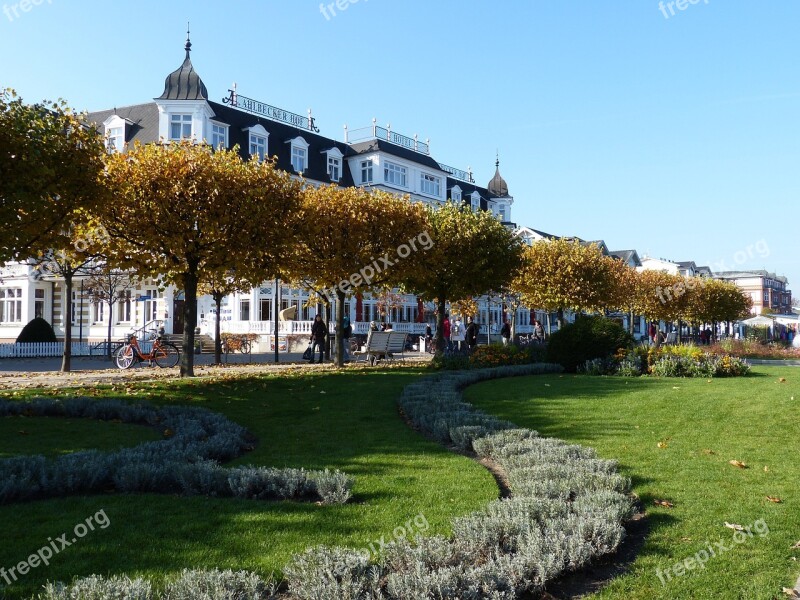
column 498, row 188
column 184, row 83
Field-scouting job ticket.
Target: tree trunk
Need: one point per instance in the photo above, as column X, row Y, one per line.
column 190, row 320
column 66, row 357
column 338, row 331
column 328, row 337
column 630, row 322
column 549, row 325
column 217, row 339
column 440, row 324
column 110, row 320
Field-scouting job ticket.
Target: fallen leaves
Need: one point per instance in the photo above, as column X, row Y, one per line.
column 792, row 593
column 664, row 503
column 796, row 545
column 734, row 526
column 782, row 380
column 709, row 452
column 774, row 499
column 737, row 463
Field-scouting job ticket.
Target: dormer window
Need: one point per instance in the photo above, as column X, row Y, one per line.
column 334, row 162
column 299, row 154
column 180, row 127
column 258, row 141
column 115, row 128
column 334, row 168
column 475, row 201
column 219, row 136
column 455, row 194
column 366, row 171
column 116, row 139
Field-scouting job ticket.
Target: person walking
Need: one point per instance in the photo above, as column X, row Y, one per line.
column 318, row 333
column 505, row 332
column 428, row 337
column 471, row 334
column 446, row 331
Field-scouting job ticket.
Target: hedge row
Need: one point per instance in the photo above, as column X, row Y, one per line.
column 186, row 461
column 568, row 507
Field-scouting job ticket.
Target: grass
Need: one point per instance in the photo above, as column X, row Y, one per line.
column 347, row 421
column 700, row 426
column 51, row 437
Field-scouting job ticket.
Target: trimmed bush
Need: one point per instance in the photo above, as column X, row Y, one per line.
column 586, row 339
column 37, row 331
column 187, row 460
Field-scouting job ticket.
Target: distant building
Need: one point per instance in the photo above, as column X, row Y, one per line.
column 770, row 292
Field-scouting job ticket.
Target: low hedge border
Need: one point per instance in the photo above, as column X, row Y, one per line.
column 187, row 460
column 567, row 508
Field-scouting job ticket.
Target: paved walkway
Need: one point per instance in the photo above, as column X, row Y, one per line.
column 33, row 373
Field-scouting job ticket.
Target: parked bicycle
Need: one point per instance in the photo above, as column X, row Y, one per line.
column 162, row 353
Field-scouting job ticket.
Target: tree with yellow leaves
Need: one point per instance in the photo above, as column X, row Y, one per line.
column 562, row 274
column 49, row 163
column 184, row 212
column 472, row 254
column 355, row 240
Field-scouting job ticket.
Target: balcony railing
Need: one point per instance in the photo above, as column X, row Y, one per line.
column 458, row 173
column 376, row 132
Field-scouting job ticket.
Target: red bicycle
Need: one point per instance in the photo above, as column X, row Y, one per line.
column 164, row 354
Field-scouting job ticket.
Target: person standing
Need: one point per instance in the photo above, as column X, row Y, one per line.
column 446, row 330
column 318, row 333
column 538, row 332
column 471, row 334
column 428, row 337
column 505, row 332
column 347, row 332
column 457, row 334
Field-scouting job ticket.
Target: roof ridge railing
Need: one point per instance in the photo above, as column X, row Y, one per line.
column 385, row 133
column 458, row 173
column 268, row 111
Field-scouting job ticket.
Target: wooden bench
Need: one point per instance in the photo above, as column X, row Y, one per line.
column 385, row 345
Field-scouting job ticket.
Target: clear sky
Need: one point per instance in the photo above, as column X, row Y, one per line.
column 677, row 135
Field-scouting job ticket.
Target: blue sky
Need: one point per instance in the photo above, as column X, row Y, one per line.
column 675, row 135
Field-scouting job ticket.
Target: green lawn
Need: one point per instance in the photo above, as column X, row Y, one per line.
column 702, row 426
column 347, row 421
column 51, row 437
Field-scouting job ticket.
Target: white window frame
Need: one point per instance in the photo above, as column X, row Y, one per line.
column 10, row 305
column 475, row 201
column 116, row 138
column 430, row 185
column 455, row 194
column 219, row 135
column 394, row 174
column 181, row 120
column 334, row 168
column 39, row 300
column 257, row 137
column 242, row 303
column 124, row 308
column 299, row 154
column 367, row 171
column 98, row 311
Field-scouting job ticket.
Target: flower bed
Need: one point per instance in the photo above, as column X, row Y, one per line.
column 484, row 357
column 667, row 361
column 755, row 349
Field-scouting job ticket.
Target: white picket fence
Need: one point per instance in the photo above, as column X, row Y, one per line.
column 48, row 349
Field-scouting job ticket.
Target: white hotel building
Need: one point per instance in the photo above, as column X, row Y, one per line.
column 373, row 156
